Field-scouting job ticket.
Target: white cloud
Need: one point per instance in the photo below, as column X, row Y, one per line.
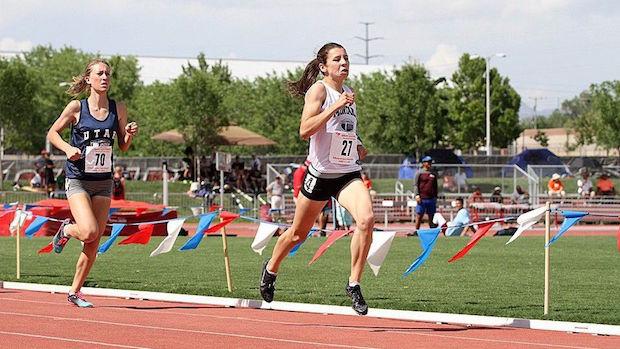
column 444, row 61
column 10, row 44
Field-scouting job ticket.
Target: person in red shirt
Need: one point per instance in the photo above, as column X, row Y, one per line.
column 556, row 187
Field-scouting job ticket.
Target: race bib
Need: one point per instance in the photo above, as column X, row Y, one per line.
column 343, row 149
column 98, row 159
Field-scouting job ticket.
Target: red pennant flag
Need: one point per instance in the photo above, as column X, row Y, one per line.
column 333, row 237
column 140, row 211
column 225, row 215
column 143, row 236
column 46, row 249
column 219, row 226
column 482, row 229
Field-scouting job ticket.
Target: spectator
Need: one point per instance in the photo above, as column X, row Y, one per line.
column 585, row 189
column 39, row 163
column 456, row 226
column 476, row 196
column 425, row 189
column 604, row 186
column 188, row 164
column 237, row 171
column 556, row 187
column 496, row 196
column 255, row 163
column 49, row 180
column 461, row 181
column 520, row 196
column 275, row 190
column 118, row 184
column 449, row 184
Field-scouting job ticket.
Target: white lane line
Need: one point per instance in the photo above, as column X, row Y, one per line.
column 322, row 326
column 70, row 340
column 161, row 328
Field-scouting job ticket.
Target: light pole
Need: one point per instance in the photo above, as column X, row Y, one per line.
column 487, row 61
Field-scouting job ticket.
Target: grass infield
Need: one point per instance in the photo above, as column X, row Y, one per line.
column 492, row 280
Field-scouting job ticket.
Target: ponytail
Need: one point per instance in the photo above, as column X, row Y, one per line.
column 299, row 87
column 79, row 84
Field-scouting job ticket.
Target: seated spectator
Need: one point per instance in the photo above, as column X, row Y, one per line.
column 585, row 189
column 461, row 180
column 496, row 196
column 605, row 186
column 449, row 184
column 456, row 226
column 476, row 196
column 36, row 181
column 556, row 187
column 520, row 196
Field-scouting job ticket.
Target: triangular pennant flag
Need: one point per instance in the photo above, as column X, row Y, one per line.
column 333, row 237
column 143, row 236
column 6, row 206
column 116, row 230
column 140, row 211
column 438, row 219
column 263, row 235
column 35, row 226
column 220, row 225
column 112, row 211
column 570, row 218
column 483, row 228
column 205, row 221
column 381, row 243
column 428, row 237
column 46, row 249
column 293, row 252
column 527, row 220
column 174, row 227
column 27, row 207
column 165, row 211
column 18, row 220
column 225, row 215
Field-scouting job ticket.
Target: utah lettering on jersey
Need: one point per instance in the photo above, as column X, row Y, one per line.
column 99, row 133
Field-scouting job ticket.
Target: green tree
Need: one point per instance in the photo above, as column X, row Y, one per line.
column 601, row 123
column 468, row 106
column 541, row 138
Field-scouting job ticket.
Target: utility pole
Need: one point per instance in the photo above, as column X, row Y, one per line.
column 366, row 40
column 535, row 105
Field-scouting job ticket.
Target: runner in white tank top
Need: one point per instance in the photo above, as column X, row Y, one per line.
column 329, row 121
column 333, row 149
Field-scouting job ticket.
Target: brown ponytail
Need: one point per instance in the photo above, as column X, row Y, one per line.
column 79, row 84
column 299, row 87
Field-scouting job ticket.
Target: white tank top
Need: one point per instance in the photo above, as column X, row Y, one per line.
column 333, row 148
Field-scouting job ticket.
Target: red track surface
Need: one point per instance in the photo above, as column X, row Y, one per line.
column 43, row 320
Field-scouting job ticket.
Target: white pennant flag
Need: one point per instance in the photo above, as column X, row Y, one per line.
column 527, row 220
column 263, row 235
column 438, row 219
column 381, row 243
column 173, row 227
column 19, row 219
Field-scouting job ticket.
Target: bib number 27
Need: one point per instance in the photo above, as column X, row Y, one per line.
column 346, row 147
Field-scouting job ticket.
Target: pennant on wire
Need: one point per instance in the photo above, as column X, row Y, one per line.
column 263, row 235
column 333, row 237
column 220, row 225
column 27, row 207
column 527, row 220
column 140, row 211
column 174, row 227
column 18, row 220
column 296, row 247
column 112, row 211
column 46, row 249
column 225, row 215
column 116, row 230
column 143, row 236
column 35, row 226
column 165, row 211
column 570, row 218
column 439, row 220
column 483, row 228
column 203, row 224
column 381, row 243
column 428, row 237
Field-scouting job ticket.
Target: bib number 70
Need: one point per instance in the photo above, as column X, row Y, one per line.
column 100, row 160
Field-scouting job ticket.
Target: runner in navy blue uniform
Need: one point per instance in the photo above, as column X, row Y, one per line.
column 95, row 121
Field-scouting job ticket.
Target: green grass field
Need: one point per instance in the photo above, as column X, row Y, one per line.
column 492, row 280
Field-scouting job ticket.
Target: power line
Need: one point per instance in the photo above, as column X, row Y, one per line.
column 535, row 105
column 366, row 41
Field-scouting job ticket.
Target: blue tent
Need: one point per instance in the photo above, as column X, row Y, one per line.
column 535, row 157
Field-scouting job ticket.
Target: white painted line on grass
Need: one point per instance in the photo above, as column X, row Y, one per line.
column 70, row 340
column 461, row 319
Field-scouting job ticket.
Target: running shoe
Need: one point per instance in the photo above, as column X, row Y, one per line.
column 267, row 284
column 359, row 304
column 78, row 300
column 60, row 240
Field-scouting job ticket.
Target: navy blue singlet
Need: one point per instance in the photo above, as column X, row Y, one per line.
column 93, row 137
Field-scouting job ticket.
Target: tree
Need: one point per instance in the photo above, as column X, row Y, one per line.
column 467, row 107
column 601, row 123
column 541, row 138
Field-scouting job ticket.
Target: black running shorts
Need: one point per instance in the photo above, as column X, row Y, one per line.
column 321, row 189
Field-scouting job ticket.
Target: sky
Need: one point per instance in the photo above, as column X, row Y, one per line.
column 554, row 48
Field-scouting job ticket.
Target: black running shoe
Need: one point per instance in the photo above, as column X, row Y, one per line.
column 267, row 284
column 359, row 304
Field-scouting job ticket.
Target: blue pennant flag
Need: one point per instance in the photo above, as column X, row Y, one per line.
column 35, row 226
column 243, row 211
column 27, row 207
column 428, row 237
column 570, row 218
column 116, row 231
column 294, row 250
column 205, row 222
column 165, row 211
column 111, row 211
column 6, row 206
